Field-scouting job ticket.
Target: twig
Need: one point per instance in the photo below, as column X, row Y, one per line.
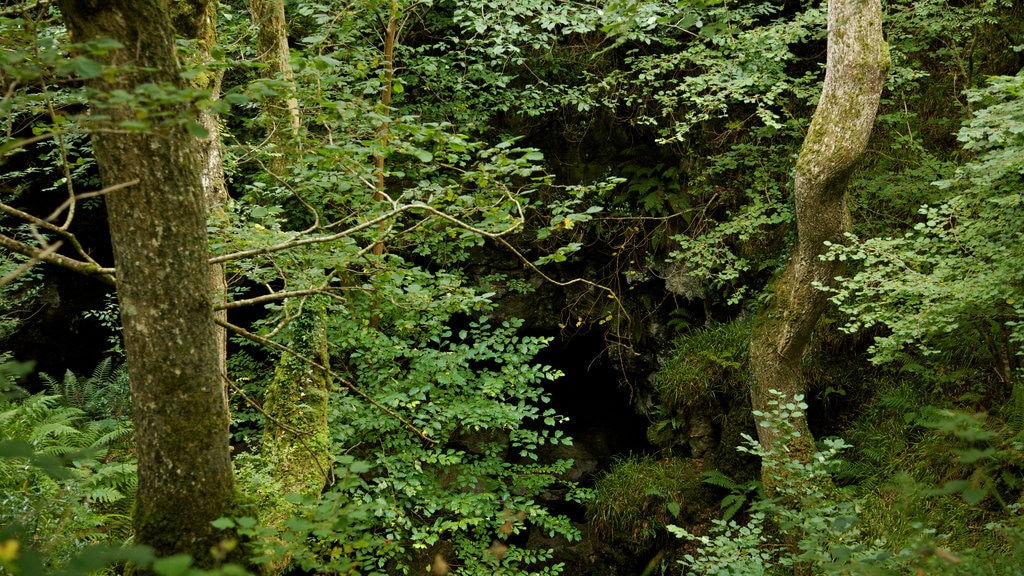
column 31, row 262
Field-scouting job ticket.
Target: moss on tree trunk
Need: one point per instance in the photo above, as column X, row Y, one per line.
column 158, row 232
column 857, row 63
column 296, row 440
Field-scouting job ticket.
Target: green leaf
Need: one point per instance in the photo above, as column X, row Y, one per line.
column 177, row 565
column 195, row 129
column 87, row 68
column 673, row 508
column 236, row 98
column 223, row 523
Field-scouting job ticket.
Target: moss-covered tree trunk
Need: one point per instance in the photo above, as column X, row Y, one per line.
column 857, row 62
column 281, row 112
column 197, row 20
column 158, row 231
column 296, row 440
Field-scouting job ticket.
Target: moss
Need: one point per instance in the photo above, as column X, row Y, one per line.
column 640, row 495
column 705, row 363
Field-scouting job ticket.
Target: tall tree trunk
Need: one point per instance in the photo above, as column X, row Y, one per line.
column 282, row 112
column 857, row 61
column 158, row 231
column 197, row 20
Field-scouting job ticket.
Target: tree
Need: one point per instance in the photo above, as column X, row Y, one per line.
column 856, row 66
column 158, row 231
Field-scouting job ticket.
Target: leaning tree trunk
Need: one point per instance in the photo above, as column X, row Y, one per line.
column 857, row 62
column 158, row 231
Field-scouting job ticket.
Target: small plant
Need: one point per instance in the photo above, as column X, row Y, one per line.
column 105, row 394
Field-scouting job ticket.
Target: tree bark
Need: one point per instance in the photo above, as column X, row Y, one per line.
column 282, row 112
column 197, row 20
column 857, row 62
column 296, row 438
column 158, row 231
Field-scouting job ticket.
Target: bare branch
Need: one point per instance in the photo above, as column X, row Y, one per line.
column 15, row 10
column 271, row 298
column 70, row 201
column 295, row 242
column 31, row 262
column 105, row 275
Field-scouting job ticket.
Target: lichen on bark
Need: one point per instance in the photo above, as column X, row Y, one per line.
column 857, row 63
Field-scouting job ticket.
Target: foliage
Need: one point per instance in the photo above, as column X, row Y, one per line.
column 106, row 394
column 811, row 524
column 703, row 374
column 464, row 466
column 957, row 270
column 60, row 483
column 704, row 363
column 640, row 496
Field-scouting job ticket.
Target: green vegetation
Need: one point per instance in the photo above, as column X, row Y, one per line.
column 403, row 180
column 639, row 497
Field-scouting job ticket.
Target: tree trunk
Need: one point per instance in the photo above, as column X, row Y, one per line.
column 197, row 20
column 296, row 438
column 282, row 112
column 158, row 231
column 857, row 61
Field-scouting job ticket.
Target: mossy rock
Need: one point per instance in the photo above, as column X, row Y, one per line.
column 639, row 496
column 703, row 364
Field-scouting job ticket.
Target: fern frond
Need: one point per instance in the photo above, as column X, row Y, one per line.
column 716, row 478
column 120, row 432
column 104, row 494
column 104, row 371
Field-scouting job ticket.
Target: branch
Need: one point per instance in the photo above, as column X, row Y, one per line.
column 271, row 298
column 310, row 362
column 13, row 10
column 31, row 262
column 105, row 275
column 294, row 243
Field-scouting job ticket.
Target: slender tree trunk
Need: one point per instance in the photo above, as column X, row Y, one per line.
column 857, row 62
column 386, row 92
column 296, row 439
column 158, row 231
column 282, row 112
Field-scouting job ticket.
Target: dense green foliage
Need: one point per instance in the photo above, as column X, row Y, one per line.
column 646, row 145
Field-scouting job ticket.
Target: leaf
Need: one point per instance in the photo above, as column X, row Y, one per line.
column 176, row 565
column 236, row 98
column 673, row 508
column 422, row 155
column 223, row 523
column 974, row 494
column 195, row 129
column 87, row 68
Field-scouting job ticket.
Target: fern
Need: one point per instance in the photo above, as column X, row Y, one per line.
column 104, row 394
